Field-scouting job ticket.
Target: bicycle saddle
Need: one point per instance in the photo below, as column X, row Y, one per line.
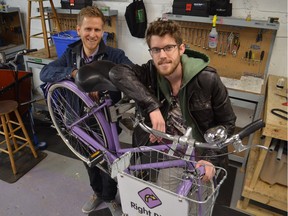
column 95, row 77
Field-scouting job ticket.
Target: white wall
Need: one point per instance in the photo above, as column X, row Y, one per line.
column 136, row 49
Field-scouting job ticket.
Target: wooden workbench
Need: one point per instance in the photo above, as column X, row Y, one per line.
column 275, row 127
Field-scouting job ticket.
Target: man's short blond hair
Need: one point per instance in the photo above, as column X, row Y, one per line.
column 89, row 11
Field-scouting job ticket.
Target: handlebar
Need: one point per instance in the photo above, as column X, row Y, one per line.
column 252, row 127
column 13, row 62
column 188, row 140
column 25, row 51
column 22, row 52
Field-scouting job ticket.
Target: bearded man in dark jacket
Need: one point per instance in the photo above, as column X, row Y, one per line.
column 176, row 89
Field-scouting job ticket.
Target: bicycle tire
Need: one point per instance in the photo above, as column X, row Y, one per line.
column 66, row 103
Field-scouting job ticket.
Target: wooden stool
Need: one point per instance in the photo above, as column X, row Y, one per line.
column 43, row 17
column 8, row 128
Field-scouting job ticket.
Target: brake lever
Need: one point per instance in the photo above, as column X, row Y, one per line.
column 239, row 147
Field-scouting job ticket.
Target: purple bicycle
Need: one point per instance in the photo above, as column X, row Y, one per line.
column 150, row 178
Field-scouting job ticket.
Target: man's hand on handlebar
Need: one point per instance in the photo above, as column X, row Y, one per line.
column 158, row 123
column 209, row 170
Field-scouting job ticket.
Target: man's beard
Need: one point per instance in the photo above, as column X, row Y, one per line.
column 171, row 71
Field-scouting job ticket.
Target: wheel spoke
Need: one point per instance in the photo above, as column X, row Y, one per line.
column 66, row 106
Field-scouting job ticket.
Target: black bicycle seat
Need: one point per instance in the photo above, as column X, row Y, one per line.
column 95, row 77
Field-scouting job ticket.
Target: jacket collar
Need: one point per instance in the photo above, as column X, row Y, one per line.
column 193, row 62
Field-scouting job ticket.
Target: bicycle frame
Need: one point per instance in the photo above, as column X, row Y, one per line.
column 110, row 129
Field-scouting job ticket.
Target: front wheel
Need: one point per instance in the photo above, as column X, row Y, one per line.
column 67, row 105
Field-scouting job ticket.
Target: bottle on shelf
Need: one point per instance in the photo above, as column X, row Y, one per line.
column 213, row 35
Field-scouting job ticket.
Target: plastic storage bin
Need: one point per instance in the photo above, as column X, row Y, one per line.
column 63, row 39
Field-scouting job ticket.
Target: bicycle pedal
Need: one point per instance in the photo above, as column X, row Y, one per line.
column 95, row 158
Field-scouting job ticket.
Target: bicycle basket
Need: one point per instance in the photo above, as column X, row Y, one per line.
column 157, row 183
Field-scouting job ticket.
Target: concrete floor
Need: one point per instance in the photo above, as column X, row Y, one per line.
column 57, row 186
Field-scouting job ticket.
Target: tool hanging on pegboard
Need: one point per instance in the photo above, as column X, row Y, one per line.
column 236, row 45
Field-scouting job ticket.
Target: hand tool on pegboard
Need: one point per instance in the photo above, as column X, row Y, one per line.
column 225, row 43
column 253, row 58
column 192, row 36
column 221, row 43
column 260, row 60
column 230, row 39
column 259, row 37
column 205, row 44
column 200, row 39
column 196, row 37
column 245, row 56
column 218, row 44
column 236, row 45
column 249, row 57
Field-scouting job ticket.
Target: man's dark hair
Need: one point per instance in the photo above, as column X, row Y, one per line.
column 162, row 27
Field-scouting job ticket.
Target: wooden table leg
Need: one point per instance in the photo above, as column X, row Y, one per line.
column 245, row 203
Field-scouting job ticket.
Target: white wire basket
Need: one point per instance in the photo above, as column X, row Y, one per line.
column 154, row 183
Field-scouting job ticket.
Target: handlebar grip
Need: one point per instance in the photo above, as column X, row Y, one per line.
column 29, row 50
column 254, row 126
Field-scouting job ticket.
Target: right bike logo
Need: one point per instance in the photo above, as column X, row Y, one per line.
column 150, row 199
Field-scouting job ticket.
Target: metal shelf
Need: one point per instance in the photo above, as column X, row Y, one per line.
column 232, row 21
column 76, row 11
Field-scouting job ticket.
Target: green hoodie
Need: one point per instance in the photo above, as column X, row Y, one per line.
column 192, row 63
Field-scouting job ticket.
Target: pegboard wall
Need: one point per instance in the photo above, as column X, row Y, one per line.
column 240, row 50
